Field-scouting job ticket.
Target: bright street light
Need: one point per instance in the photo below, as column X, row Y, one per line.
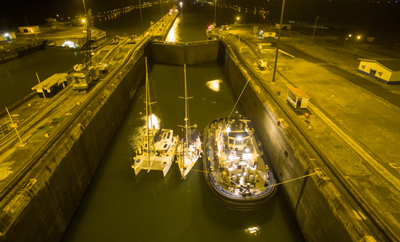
column 277, row 43
column 358, row 38
column 344, row 47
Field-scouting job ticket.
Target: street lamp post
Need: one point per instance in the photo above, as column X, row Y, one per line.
column 161, row 7
column 344, row 47
column 30, row 29
column 84, row 6
column 140, row 8
column 88, row 56
column 315, row 26
column 215, row 12
column 355, row 39
column 277, row 44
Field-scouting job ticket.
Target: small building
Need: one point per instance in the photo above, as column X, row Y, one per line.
column 384, row 70
column 29, row 29
column 7, row 36
column 284, row 26
column 267, row 33
column 297, row 98
column 52, row 85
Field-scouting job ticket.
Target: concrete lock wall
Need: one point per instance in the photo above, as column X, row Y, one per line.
column 41, row 212
column 47, row 199
column 180, row 53
column 323, row 213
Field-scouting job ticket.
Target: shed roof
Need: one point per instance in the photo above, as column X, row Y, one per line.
column 298, row 92
column 391, row 64
column 57, row 78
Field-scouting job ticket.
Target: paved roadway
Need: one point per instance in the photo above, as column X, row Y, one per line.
column 356, row 128
column 357, row 80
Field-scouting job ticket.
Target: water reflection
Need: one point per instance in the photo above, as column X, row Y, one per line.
column 253, row 230
column 174, row 34
column 214, row 84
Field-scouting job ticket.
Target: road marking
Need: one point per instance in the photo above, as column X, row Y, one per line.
column 285, row 53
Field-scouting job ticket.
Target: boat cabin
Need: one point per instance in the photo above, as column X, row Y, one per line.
column 165, row 142
column 238, row 140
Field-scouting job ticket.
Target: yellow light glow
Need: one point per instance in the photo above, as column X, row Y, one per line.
column 253, row 230
column 174, row 34
column 214, row 85
column 154, row 122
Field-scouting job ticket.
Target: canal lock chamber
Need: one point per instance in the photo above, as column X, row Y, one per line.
column 66, row 170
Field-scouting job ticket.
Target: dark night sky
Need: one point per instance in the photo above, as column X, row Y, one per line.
column 345, row 13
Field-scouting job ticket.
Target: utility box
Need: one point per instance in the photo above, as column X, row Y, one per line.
column 297, row 98
column 262, row 64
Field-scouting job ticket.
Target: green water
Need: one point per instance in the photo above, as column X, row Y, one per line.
column 120, row 206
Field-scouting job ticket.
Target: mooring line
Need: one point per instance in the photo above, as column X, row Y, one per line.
column 298, row 178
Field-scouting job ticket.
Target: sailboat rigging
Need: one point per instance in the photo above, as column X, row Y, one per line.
column 158, row 146
column 189, row 149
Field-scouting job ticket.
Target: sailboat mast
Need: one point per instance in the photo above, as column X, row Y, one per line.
column 186, row 109
column 147, row 115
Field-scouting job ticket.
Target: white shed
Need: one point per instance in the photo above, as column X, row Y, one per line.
column 29, row 29
column 297, row 98
column 383, row 70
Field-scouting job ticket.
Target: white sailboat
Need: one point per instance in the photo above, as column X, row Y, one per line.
column 189, row 150
column 158, row 146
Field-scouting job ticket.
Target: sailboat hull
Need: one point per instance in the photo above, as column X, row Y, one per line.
column 162, row 157
column 188, row 156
